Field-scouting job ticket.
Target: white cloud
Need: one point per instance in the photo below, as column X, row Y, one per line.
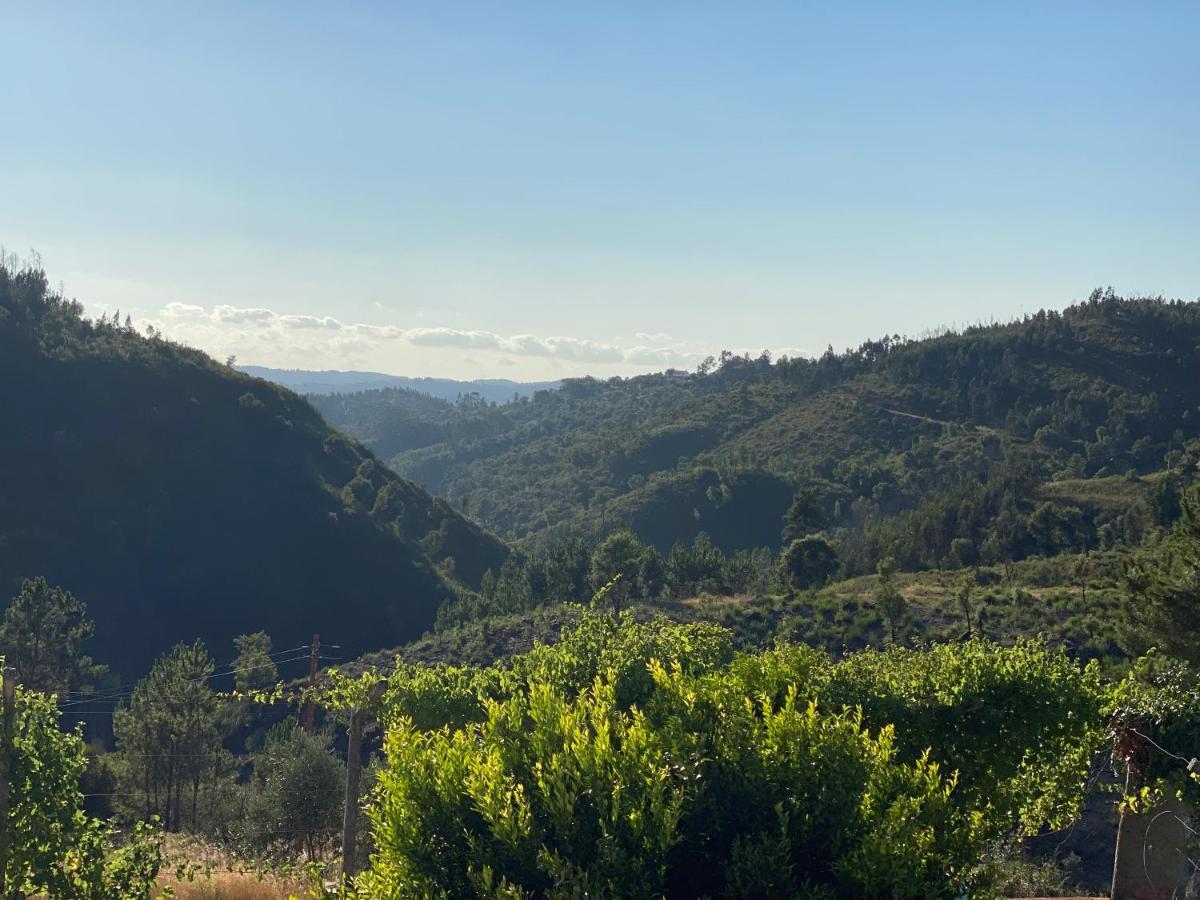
column 450, row 337
column 260, row 335
column 235, row 316
column 305, row 341
column 182, row 311
column 657, row 337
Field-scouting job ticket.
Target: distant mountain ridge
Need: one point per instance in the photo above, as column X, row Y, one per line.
column 303, row 381
column 181, row 499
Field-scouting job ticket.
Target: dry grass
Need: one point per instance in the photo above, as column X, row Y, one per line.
column 218, row 876
column 231, row 886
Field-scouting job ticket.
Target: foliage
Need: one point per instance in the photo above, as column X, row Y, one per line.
column 169, row 737
column 297, row 791
column 617, row 561
column 559, row 574
column 1156, row 724
column 1163, row 605
column 995, row 443
column 809, row 561
column 647, row 759
column 56, row 848
column 40, row 637
column 804, row 514
column 566, row 795
column 888, row 598
column 1018, row 724
column 253, row 667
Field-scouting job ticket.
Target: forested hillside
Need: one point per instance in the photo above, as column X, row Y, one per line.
column 179, row 498
column 992, row 438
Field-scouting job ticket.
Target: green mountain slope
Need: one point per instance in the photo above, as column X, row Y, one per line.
column 946, row 438
column 181, row 499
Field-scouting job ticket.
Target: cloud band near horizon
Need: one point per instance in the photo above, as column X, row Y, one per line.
column 201, row 325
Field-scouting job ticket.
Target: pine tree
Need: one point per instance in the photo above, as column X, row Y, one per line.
column 40, row 637
column 253, row 668
column 169, row 734
column 1162, row 605
column 888, row 598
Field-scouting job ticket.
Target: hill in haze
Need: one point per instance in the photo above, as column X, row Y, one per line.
column 490, row 390
column 899, row 447
column 180, row 498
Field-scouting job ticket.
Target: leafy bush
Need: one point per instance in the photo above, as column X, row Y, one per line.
column 638, row 760
column 297, row 792
column 576, row 796
column 56, row 848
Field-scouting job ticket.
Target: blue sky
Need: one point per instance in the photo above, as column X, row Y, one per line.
column 542, row 189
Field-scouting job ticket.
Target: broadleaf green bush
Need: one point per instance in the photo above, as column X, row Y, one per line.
column 648, row 760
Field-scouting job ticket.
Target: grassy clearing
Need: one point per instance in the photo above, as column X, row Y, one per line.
column 1112, row 494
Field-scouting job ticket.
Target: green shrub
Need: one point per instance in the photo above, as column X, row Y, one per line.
column 297, row 791
column 646, row 760
column 575, row 796
column 56, row 849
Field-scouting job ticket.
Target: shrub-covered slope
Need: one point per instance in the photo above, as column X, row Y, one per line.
column 179, row 498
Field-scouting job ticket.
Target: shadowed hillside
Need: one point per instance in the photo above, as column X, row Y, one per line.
column 179, row 498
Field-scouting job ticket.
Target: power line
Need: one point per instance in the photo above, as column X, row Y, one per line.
column 129, row 693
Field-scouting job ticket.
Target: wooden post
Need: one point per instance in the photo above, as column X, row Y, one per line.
column 310, row 711
column 7, row 728
column 353, row 778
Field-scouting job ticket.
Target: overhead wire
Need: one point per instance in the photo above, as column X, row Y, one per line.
column 1161, row 748
column 118, row 695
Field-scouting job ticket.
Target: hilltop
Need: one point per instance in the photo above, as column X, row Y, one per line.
column 998, row 442
column 180, row 498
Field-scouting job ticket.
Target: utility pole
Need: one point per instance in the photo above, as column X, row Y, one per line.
column 309, row 707
column 353, row 779
column 7, row 728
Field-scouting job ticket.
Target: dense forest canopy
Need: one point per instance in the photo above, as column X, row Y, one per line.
column 179, row 498
column 984, row 437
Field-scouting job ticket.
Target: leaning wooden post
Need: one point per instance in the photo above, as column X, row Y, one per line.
column 353, row 780
column 7, row 729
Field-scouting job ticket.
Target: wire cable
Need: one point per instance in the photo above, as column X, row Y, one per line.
column 1163, row 749
column 121, row 694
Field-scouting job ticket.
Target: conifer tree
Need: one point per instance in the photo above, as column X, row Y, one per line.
column 40, row 637
column 1162, row 606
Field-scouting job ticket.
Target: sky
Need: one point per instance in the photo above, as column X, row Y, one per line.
column 536, row 190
